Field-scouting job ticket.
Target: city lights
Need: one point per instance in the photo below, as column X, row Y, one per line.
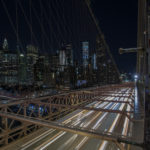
column 136, row 76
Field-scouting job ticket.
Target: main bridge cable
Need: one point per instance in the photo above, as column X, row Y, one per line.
column 89, row 27
column 106, row 54
column 100, row 32
column 84, row 27
column 12, row 24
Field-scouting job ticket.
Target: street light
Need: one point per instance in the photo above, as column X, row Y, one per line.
column 135, row 76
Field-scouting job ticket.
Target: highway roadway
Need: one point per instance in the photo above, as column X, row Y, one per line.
column 52, row 139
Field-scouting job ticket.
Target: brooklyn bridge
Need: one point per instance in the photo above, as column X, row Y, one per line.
column 60, row 86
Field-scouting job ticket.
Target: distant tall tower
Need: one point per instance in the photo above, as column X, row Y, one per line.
column 31, row 58
column 5, row 44
column 94, row 61
column 69, row 54
column 62, row 58
column 85, row 53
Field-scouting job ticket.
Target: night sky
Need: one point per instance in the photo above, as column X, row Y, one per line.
column 118, row 22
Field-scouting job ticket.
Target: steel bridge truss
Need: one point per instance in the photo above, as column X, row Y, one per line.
column 21, row 117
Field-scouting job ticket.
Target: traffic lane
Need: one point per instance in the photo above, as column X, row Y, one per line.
column 63, row 142
column 111, row 129
column 108, row 121
column 45, row 138
column 68, row 137
column 67, row 142
column 102, row 126
column 73, row 115
column 98, row 122
column 124, row 130
column 65, row 138
column 110, row 146
column 97, row 143
column 89, row 114
column 38, row 142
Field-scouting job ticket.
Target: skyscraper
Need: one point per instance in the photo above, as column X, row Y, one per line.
column 32, row 57
column 22, row 69
column 85, row 53
column 94, row 61
column 5, row 44
column 69, row 54
column 9, row 68
column 66, row 56
column 62, row 59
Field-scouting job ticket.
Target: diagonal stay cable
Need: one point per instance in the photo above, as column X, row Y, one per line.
column 64, row 19
column 11, row 22
column 58, row 22
column 62, row 15
column 44, row 32
column 49, row 21
column 28, row 22
column 100, row 32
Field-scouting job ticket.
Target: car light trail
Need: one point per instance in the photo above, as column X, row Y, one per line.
column 87, row 119
column 60, row 135
column 98, row 105
column 53, row 139
column 33, row 141
column 104, row 143
column 85, row 139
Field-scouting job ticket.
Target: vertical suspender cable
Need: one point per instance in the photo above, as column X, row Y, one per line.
column 30, row 6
